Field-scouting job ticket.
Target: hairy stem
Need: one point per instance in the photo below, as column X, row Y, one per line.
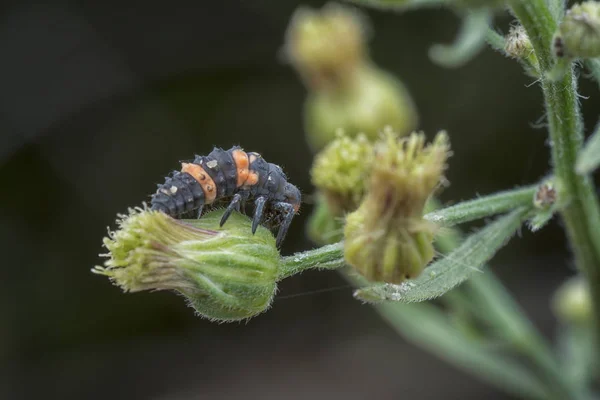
column 582, row 214
column 326, row 257
column 483, row 207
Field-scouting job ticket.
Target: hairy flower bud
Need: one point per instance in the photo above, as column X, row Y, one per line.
column 226, row 273
column 340, row 172
column 517, row 43
column 386, row 238
column 578, row 35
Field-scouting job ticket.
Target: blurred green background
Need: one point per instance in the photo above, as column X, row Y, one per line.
column 99, row 101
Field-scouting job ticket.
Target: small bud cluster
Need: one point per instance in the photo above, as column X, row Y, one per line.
column 340, row 172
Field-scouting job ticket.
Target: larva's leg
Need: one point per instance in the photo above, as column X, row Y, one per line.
column 199, row 213
column 258, row 212
column 245, row 194
column 288, row 214
column 234, row 205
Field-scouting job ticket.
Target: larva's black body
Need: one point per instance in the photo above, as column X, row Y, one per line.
column 234, row 174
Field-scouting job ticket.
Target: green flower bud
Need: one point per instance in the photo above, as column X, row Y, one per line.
column 578, row 35
column 340, row 172
column 372, row 100
column 386, row 238
column 328, row 49
column 325, row 46
column 226, row 273
column 323, row 226
column 572, row 303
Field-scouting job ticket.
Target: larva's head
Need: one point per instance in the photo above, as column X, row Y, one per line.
column 292, row 196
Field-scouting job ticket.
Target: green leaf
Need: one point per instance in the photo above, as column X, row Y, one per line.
column 482, row 207
column 557, row 8
column 542, row 217
column 469, row 42
column 453, row 269
column 589, row 157
column 429, row 328
column 495, row 40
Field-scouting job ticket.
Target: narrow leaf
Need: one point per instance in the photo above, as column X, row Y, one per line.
column 469, row 42
column 453, row 269
column 557, row 8
column 495, row 40
column 483, row 207
column 428, row 327
column 589, row 157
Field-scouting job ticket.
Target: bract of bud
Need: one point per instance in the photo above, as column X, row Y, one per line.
column 578, row 34
column 386, row 238
column 325, row 46
column 372, row 100
column 226, row 273
column 341, row 170
column 324, row 227
column 572, row 302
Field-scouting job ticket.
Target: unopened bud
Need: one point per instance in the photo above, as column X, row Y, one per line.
column 226, row 273
column 517, row 43
column 326, row 45
column 578, row 35
column 572, row 303
column 372, row 100
column 386, row 238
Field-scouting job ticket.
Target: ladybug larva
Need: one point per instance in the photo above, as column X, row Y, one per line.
column 234, row 174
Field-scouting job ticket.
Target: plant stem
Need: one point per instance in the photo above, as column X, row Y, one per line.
column 482, row 207
column 582, row 214
column 326, row 257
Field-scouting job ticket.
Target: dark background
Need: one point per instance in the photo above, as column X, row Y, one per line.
column 98, row 102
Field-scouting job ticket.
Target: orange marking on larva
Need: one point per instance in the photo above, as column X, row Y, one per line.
column 252, row 179
column 241, row 162
column 203, row 179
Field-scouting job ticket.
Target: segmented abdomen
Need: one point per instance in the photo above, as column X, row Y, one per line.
column 220, row 174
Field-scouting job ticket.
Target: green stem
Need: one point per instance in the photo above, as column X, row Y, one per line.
column 482, row 207
column 326, row 257
column 582, row 214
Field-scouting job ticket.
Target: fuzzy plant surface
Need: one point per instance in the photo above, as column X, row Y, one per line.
column 376, row 217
